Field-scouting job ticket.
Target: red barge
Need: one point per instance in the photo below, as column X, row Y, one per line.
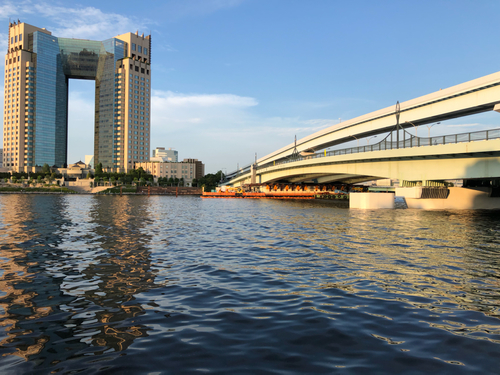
column 283, row 191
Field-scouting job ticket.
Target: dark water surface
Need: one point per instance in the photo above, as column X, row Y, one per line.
column 183, row 285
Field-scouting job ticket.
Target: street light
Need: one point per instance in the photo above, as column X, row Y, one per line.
column 368, row 140
column 429, row 127
column 355, row 138
column 416, row 130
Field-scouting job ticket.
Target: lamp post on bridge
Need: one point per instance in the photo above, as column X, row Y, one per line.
column 397, row 112
column 416, row 130
column 355, row 138
column 429, row 127
column 368, row 140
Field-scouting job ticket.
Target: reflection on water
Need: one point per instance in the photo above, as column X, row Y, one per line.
column 163, row 284
column 71, row 270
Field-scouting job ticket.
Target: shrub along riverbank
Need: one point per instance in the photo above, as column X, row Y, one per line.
column 48, row 189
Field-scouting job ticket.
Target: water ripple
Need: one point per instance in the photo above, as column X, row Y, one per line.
column 183, row 285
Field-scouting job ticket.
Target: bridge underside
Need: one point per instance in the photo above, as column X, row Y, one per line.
column 408, row 170
column 323, row 178
column 474, row 160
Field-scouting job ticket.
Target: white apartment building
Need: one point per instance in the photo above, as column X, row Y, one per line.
column 188, row 169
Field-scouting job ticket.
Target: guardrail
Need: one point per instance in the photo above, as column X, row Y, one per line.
column 388, row 143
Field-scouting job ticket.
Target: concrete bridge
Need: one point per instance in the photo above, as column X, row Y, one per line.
column 415, row 161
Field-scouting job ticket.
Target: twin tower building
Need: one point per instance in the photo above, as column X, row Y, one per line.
column 38, row 66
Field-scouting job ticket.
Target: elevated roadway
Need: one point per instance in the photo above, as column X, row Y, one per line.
column 458, row 156
column 407, row 158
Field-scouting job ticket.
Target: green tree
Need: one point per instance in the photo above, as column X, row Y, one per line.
column 98, row 169
column 210, row 181
column 45, row 169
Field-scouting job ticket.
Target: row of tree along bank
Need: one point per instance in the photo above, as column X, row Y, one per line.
column 140, row 177
column 46, row 173
column 133, row 177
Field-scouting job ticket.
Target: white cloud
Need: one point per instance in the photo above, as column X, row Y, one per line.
column 169, row 98
column 86, row 22
column 221, row 129
column 73, row 21
column 10, row 9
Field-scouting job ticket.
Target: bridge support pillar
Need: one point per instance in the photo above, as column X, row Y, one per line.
column 458, row 199
column 371, row 200
column 253, row 172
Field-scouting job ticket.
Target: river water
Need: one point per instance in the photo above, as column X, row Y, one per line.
column 171, row 285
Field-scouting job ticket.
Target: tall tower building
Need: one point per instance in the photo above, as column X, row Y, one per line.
column 38, row 66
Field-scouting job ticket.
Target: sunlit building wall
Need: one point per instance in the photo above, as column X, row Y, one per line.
column 188, row 169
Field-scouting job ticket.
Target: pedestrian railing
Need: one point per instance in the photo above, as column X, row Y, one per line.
column 390, row 142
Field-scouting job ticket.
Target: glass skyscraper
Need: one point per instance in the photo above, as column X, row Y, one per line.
column 37, row 69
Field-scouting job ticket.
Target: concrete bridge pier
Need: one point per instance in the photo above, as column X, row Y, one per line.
column 371, row 200
column 451, row 198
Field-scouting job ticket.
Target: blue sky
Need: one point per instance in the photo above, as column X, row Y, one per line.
column 232, row 78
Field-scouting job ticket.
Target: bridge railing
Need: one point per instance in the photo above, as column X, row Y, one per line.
column 407, row 140
column 238, row 172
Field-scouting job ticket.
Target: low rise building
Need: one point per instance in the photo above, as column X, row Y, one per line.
column 76, row 170
column 200, row 167
column 188, row 169
column 160, row 154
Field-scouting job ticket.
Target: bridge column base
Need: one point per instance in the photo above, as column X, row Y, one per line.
column 371, row 200
column 458, row 199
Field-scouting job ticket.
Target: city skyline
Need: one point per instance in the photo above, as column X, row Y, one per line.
column 235, row 78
